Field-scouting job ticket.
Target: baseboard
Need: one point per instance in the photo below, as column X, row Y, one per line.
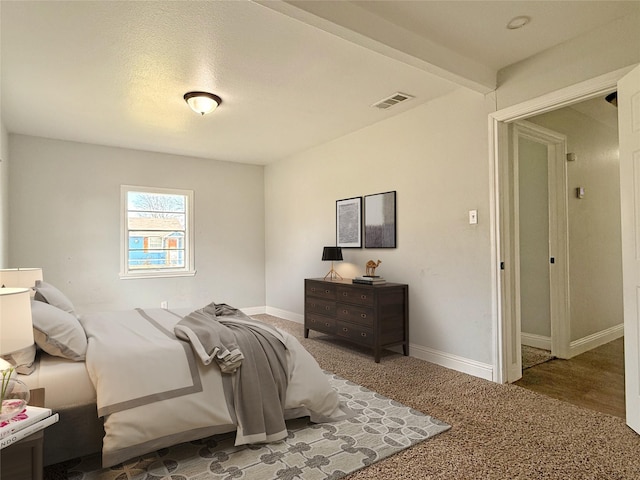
column 253, row 310
column 594, row 340
column 535, row 341
column 454, row 362
column 276, row 312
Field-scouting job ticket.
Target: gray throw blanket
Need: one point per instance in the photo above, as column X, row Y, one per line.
column 210, row 339
column 245, row 346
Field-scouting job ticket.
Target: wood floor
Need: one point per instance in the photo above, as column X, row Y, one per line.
column 594, row 379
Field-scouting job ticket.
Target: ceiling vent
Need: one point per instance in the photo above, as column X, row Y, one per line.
column 394, row 99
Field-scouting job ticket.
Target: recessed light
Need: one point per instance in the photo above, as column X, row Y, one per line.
column 518, row 22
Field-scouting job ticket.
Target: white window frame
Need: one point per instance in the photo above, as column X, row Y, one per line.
column 189, row 268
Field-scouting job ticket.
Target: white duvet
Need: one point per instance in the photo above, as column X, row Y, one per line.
column 153, row 392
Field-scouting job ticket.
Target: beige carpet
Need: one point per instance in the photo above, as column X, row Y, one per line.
column 534, row 356
column 498, row 431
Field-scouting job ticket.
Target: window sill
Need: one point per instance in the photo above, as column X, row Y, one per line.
column 156, row 274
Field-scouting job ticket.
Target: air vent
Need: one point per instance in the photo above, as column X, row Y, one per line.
column 394, row 99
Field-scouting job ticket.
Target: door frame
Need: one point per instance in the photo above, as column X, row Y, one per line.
column 558, row 239
column 502, row 247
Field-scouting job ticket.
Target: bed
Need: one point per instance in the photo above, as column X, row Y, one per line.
column 131, row 382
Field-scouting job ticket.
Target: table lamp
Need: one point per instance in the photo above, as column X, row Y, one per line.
column 332, row 254
column 16, row 333
column 20, row 277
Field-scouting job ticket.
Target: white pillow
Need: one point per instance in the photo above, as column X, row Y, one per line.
column 58, row 332
column 23, row 359
column 45, row 292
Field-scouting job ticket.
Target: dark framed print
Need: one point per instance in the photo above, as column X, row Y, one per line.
column 380, row 220
column 349, row 222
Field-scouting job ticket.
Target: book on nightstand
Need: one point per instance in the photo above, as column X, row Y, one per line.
column 369, row 280
column 29, row 421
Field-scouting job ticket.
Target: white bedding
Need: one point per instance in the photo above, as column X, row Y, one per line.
column 66, row 382
column 154, row 392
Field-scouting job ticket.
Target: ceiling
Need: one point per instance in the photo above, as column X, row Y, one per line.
column 291, row 75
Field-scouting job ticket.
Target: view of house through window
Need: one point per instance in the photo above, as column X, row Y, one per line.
column 156, row 236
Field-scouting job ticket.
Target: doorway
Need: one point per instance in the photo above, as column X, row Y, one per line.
column 540, row 231
column 507, row 360
column 595, row 274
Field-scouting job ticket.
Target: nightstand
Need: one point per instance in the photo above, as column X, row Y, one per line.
column 23, row 459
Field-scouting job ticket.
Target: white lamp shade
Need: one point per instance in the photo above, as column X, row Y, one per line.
column 16, row 327
column 20, row 277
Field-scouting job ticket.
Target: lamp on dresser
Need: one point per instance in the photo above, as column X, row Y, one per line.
column 332, row 254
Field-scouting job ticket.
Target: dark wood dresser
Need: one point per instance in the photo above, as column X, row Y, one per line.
column 375, row 316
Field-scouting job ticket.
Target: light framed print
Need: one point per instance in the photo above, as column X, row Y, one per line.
column 349, row 222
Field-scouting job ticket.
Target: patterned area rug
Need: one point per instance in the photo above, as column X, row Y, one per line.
column 380, row 428
column 534, row 356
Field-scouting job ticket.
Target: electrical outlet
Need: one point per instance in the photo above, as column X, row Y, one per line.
column 164, row 304
column 473, row 217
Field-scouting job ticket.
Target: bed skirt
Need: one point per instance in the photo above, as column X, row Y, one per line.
column 78, row 433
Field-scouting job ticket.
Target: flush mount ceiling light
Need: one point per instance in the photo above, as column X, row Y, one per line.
column 518, row 22
column 202, row 102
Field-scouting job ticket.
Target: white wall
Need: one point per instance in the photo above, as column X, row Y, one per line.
column 4, row 196
column 595, row 255
column 535, row 299
column 595, row 53
column 435, row 157
column 65, row 218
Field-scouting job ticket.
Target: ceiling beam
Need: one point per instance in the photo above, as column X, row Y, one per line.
column 352, row 23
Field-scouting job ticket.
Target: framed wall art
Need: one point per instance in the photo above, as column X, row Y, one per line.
column 349, row 222
column 380, row 220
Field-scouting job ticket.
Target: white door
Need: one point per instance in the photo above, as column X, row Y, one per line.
column 629, row 132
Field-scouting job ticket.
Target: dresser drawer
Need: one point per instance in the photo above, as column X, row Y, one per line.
column 320, row 289
column 355, row 333
column 320, row 323
column 320, row 306
column 351, row 294
column 355, row 314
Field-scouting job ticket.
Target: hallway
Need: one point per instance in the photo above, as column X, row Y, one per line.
column 594, row 379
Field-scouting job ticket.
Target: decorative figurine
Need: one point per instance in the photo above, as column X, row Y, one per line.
column 371, row 268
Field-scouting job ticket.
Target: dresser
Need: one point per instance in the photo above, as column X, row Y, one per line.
column 375, row 316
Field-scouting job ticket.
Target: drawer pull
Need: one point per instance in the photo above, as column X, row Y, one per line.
column 313, row 289
column 326, row 291
column 363, row 297
column 363, row 334
column 327, row 324
column 345, row 329
column 327, row 308
column 345, row 311
column 363, row 315
column 345, row 294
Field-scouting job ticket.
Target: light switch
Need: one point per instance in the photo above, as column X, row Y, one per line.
column 473, row 217
column 580, row 192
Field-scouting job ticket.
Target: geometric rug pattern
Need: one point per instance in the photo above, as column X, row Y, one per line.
column 379, row 428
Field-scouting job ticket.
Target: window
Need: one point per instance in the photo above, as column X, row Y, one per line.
column 156, row 232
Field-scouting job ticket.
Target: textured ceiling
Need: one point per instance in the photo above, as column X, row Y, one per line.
column 114, row 73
